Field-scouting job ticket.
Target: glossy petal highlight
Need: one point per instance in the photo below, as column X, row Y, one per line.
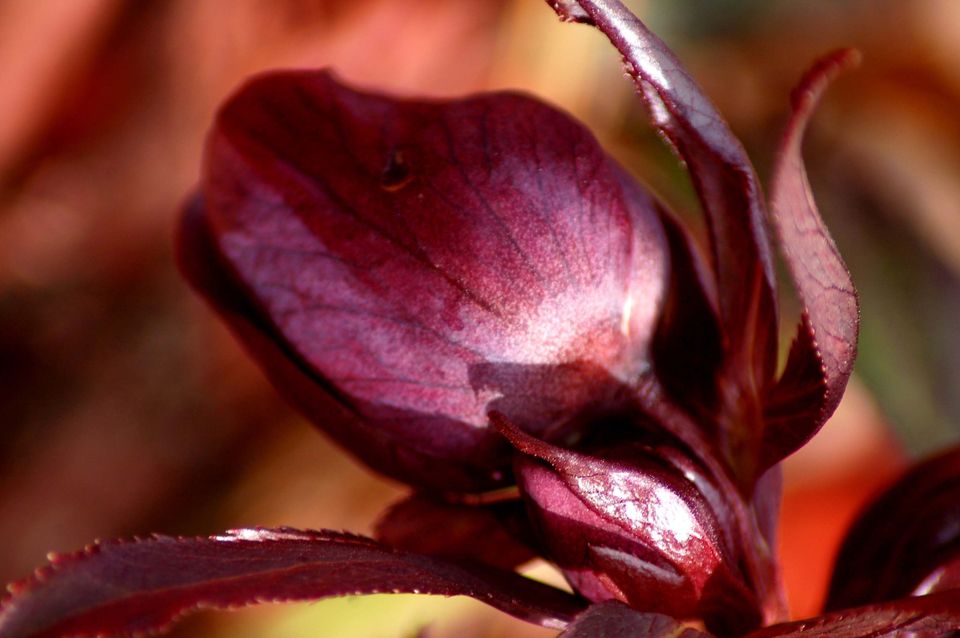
column 637, row 522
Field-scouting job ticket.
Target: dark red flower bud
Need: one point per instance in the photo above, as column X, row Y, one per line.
column 641, row 522
column 907, row 542
column 397, row 265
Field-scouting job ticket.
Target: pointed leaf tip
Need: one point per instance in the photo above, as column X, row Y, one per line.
column 824, row 71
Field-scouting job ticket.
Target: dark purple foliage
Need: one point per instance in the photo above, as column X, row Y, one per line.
column 907, row 542
column 143, row 585
column 473, row 298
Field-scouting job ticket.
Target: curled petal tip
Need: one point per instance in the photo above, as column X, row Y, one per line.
column 815, row 81
column 822, row 356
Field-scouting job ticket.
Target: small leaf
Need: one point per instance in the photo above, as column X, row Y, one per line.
column 933, row 616
column 416, row 260
column 822, row 356
column 142, row 586
column 492, row 534
column 613, row 619
column 907, row 541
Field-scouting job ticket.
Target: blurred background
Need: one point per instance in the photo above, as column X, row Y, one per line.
column 127, row 408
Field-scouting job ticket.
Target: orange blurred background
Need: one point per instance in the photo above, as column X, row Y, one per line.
column 127, row 408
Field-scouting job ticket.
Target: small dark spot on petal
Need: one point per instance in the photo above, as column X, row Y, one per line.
column 396, row 173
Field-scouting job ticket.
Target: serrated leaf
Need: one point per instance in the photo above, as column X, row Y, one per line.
column 822, row 356
column 140, row 587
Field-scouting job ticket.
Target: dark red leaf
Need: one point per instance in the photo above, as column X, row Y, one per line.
column 933, row 616
column 613, row 619
column 639, row 522
column 907, row 541
column 822, row 356
column 731, row 198
column 493, row 534
column 420, row 259
column 136, row 587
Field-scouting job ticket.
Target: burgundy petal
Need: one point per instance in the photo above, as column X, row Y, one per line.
column 420, row 259
column 493, row 534
column 204, row 269
column 907, row 541
column 137, row 587
column 731, row 198
column 933, row 616
column 822, row 356
column 688, row 346
column 638, row 522
column 613, row 619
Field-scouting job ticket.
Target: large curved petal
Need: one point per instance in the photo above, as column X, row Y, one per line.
column 422, row 259
column 821, row 359
column 141, row 587
column 732, row 201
